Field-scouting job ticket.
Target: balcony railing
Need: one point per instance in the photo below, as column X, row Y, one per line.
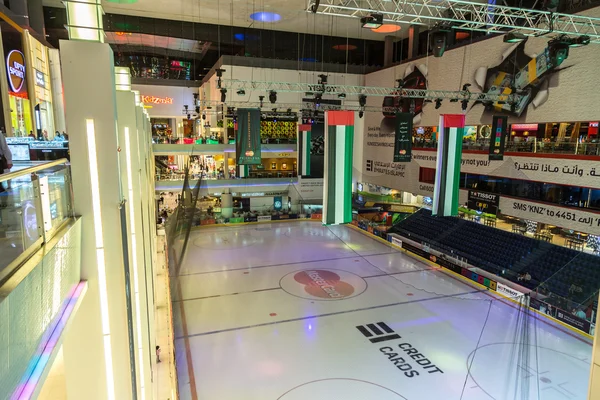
column 574, row 148
column 34, row 203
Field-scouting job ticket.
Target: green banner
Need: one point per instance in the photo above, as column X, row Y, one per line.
column 403, row 140
column 248, row 137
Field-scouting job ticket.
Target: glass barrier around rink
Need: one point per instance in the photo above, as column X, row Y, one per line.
column 34, row 204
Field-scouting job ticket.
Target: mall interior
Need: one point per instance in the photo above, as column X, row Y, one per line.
column 320, row 199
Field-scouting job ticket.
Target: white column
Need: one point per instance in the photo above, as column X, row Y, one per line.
column 96, row 352
column 594, row 390
column 226, row 163
column 58, row 105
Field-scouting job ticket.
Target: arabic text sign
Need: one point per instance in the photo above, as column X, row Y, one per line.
column 571, row 218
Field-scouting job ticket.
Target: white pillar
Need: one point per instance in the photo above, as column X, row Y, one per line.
column 226, row 164
column 594, row 389
column 96, row 352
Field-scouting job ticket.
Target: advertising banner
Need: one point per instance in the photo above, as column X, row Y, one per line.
column 247, row 143
column 264, row 218
column 278, row 203
column 447, row 175
column 403, row 139
column 507, row 291
column 570, row 218
column 484, row 202
column 304, row 148
column 339, row 142
column 498, row 138
column 573, row 320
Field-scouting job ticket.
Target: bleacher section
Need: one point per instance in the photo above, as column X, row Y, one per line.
column 564, row 272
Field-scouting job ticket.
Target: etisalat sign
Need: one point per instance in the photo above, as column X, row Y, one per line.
column 403, row 355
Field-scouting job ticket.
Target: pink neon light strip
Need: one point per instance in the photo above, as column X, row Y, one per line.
column 33, row 373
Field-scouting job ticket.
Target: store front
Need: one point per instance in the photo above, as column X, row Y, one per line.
column 38, row 73
column 18, row 112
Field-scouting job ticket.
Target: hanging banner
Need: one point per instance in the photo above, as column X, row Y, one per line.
column 447, row 174
column 339, row 142
column 498, row 138
column 243, row 171
column 278, row 203
column 304, row 147
column 403, row 140
column 248, row 137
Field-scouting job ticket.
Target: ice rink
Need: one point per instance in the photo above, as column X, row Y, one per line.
column 298, row 311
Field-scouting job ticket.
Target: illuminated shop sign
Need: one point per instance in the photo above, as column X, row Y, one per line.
column 524, row 127
column 40, row 80
column 15, row 64
column 157, row 100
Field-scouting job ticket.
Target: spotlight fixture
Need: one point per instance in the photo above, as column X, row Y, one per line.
column 322, row 79
column 438, row 38
column 514, row 37
column 466, row 87
column 273, row 96
column 241, row 92
column 223, row 95
column 197, row 109
column 361, row 113
column 261, row 99
column 558, row 50
column 579, row 41
column 204, row 116
column 342, row 95
column 315, row 7
column 464, row 104
column 362, row 100
column 438, row 103
column 372, row 21
column 400, row 83
column 189, row 117
column 318, row 98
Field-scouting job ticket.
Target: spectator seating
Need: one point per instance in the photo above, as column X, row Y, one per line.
column 564, row 272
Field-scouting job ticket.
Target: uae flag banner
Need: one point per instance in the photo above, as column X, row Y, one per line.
column 247, row 141
column 403, row 140
column 337, row 181
column 447, row 174
column 304, row 138
column 498, row 138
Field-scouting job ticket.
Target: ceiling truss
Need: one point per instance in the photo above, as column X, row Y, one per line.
column 459, row 14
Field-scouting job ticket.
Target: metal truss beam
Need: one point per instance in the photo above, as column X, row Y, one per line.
column 364, row 90
column 467, row 15
column 209, row 107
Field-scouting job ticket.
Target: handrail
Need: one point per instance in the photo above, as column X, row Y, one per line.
column 31, row 170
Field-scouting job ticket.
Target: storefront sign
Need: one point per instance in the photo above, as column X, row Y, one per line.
column 15, row 64
column 156, row 100
column 524, row 127
column 40, row 80
column 484, row 202
column 403, row 139
column 498, row 139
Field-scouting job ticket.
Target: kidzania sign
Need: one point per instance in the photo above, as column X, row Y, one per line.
column 156, row 100
column 15, row 66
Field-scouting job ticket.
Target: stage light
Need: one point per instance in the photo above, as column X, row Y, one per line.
column 558, row 50
column 466, row 87
column 438, row 38
column 400, row 83
column 318, row 98
column 342, row 95
column 438, row 103
column 315, row 6
column 464, row 104
column 361, row 113
column 261, row 99
column 223, row 95
column 322, row 79
column 362, row 100
column 265, row 16
column 372, row 21
column 273, row 96
column 241, row 92
column 514, row 37
column 582, row 40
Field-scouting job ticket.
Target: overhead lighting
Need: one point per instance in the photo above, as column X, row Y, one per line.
column 362, row 100
column 241, row 92
column 514, row 37
column 223, row 95
column 315, row 6
column 372, row 21
column 580, row 41
column 261, row 99
column 273, row 96
column 323, row 79
column 342, row 95
column 265, row 16
column 438, row 38
column 361, row 113
column 386, row 28
column 558, row 50
column 438, row 103
column 464, row 104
